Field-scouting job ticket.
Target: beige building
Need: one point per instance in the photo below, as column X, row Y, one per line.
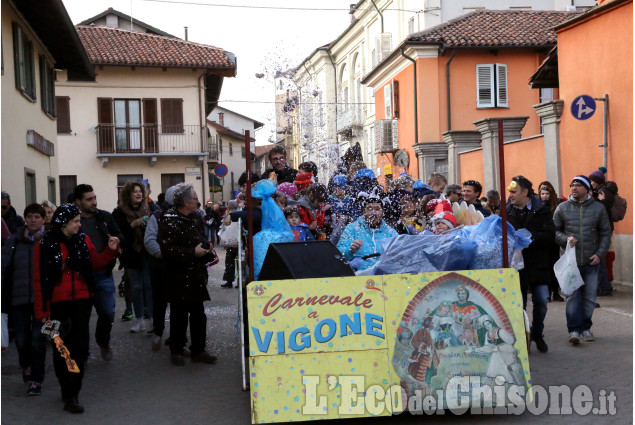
column 227, row 132
column 37, row 38
column 144, row 116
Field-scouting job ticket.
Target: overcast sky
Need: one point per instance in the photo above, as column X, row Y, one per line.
column 262, row 39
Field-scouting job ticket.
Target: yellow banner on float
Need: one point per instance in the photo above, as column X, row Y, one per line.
column 381, row 345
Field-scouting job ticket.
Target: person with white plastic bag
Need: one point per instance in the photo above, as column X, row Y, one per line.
column 567, row 273
column 228, row 235
column 583, row 223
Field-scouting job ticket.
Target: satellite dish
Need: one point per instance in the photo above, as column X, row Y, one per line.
column 401, row 158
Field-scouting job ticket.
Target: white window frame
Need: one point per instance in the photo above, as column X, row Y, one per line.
column 492, row 88
column 388, row 101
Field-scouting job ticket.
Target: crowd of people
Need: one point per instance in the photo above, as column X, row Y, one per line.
column 58, row 262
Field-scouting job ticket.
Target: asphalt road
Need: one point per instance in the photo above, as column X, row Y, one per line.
column 142, row 387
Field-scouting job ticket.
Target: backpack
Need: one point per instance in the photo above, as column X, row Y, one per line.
column 618, row 210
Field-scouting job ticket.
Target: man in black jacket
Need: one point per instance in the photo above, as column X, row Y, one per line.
column 526, row 211
column 99, row 226
column 279, row 165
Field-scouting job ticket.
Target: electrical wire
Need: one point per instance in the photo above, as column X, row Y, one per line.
column 313, row 9
column 299, row 103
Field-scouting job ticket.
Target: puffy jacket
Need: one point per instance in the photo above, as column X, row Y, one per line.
column 588, row 222
column 539, row 222
column 370, row 238
column 17, row 270
column 72, row 286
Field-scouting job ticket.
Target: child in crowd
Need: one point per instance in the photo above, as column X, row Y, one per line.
column 284, row 193
column 309, row 167
column 409, row 223
column 340, row 203
column 301, row 232
column 302, row 182
column 443, row 222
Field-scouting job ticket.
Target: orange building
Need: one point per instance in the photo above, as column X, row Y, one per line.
column 594, row 57
column 468, row 71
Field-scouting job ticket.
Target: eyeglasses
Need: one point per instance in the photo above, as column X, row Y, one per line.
column 278, row 159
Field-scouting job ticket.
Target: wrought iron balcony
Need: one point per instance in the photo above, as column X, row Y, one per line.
column 155, row 139
column 349, row 119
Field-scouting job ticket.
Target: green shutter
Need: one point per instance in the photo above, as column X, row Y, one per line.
column 17, row 59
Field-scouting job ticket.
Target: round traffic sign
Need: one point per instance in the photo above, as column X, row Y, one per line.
column 583, row 107
column 221, row 170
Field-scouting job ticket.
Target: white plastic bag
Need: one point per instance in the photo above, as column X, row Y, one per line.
column 229, row 235
column 567, row 272
column 5, row 331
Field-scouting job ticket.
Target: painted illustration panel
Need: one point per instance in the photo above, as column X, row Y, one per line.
column 456, row 325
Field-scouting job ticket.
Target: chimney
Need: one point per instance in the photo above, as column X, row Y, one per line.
column 221, row 118
column 185, row 33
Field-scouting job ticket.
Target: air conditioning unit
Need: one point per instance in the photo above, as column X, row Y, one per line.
column 386, row 136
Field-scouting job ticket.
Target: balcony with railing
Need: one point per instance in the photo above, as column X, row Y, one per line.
column 151, row 140
column 349, row 119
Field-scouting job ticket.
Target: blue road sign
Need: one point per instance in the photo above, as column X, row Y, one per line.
column 583, row 107
column 221, row 170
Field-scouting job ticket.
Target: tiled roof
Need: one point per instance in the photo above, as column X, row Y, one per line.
column 261, row 150
column 496, row 28
column 115, row 46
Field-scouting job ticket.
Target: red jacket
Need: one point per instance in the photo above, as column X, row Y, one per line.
column 73, row 285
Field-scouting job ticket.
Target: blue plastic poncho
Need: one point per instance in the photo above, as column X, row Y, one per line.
column 488, row 235
column 274, row 226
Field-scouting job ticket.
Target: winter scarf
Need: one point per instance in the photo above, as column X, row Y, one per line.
column 51, row 265
column 131, row 215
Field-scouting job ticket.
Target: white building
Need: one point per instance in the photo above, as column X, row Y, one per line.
column 331, row 75
column 144, row 116
column 37, row 38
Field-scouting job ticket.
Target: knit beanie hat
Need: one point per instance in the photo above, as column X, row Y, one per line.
column 303, row 180
column 583, row 180
column 598, row 176
column 287, row 189
column 445, row 217
column 443, row 206
column 340, row 181
column 63, row 214
column 431, row 205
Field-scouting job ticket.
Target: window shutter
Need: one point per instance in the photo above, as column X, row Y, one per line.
column 395, row 98
column 106, row 129
column 485, row 86
column 172, row 115
column 43, row 85
column 150, row 131
column 30, row 68
column 501, row 85
column 63, row 115
column 18, row 57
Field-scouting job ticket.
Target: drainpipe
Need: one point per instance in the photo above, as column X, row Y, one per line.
column 414, row 78
column 201, row 112
column 447, row 83
column 380, row 15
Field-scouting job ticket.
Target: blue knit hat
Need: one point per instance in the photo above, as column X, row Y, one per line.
column 583, row 180
column 365, row 172
column 340, row 181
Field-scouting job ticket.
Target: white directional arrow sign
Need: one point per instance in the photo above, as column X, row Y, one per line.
column 583, row 107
